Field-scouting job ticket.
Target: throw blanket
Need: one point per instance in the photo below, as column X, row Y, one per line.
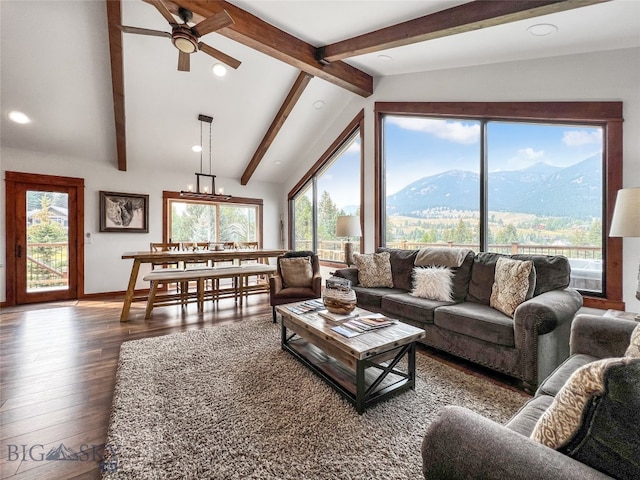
column 441, row 256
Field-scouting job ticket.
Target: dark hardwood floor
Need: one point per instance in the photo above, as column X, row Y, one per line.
column 58, row 368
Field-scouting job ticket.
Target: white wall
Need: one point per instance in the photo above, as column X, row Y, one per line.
column 603, row 76
column 105, row 271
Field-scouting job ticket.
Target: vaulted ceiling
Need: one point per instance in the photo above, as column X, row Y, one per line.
column 293, row 55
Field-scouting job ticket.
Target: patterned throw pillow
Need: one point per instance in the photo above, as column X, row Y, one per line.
column 434, row 283
column 374, row 269
column 511, row 285
column 559, row 423
column 634, row 346
column 296, row 272
column 594, row 418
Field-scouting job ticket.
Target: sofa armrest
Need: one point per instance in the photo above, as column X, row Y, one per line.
column 460, row 444
column 545, row 312
column 600, row 337
column 350, row 274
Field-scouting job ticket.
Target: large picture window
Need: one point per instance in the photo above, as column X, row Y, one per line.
column 204, row 220
column 332, row 188
column 532, row 179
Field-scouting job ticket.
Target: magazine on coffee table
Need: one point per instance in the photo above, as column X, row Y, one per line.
column 307, row 307
column 363, row 324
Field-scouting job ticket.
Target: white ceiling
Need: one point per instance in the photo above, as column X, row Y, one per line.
column 55, row 67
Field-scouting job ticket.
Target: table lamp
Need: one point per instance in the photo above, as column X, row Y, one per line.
column 626, row 220
column 348, row 226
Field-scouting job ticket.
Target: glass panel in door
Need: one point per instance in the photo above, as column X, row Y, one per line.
column 47, row 246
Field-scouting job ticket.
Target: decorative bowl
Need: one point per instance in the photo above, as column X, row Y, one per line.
column 339, row 301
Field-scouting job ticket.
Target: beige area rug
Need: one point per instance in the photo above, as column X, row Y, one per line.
column 228, row 403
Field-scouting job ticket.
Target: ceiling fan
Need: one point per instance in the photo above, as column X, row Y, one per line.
column 187, row 39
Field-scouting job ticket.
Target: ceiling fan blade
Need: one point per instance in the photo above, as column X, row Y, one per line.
column 213, row 23
column 218, row 55
column 144, row 31
column 162, row 8
column 183, row 61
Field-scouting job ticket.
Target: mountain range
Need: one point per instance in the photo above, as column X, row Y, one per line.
column 539, row 189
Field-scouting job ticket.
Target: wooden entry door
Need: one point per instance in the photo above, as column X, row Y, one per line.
column 45, row 247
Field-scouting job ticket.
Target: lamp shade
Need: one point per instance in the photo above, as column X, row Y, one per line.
column 348, row 226
column 626, row 214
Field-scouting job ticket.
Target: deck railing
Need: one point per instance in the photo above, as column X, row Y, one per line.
column 586, row 261
column 47, row 265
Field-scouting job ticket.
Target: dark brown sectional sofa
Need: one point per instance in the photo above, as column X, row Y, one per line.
column 528, row 346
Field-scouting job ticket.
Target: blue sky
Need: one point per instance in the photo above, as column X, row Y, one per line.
column 417, row 147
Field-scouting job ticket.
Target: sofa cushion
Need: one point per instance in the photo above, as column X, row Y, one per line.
column 433, row 283
column 634, row 345
column 477, row 321
column 554, row 382
column 553, row 272
column 374, row 269
column 595, row 417
column 296, row 272
column 526, row 418
column 406, row 306
column 402, row 263
column 482, row 276
column 371, row 298
column 513, row 284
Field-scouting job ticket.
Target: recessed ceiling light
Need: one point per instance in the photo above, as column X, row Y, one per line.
column 18, row 117
column 196, row 148
column 318, row 104
column 219, row 70
column 385, row 58
column 278, row 162
column 542, row 29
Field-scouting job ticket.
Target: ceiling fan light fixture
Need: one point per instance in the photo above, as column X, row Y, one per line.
column 184, row 44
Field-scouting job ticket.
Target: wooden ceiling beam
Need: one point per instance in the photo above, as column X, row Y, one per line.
column 463, row 18
column 287, row 106
column 253, row 32
column 114, row 18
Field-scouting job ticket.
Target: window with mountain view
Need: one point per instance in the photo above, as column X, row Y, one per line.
column 544, row 188
column 330, row 189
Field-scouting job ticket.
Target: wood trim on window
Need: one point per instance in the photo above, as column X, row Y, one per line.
column 356, row 124
column 608, row 115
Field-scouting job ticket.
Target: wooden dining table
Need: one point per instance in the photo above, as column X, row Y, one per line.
column 182, row 256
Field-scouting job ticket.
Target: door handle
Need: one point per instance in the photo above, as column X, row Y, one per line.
column 18, row 251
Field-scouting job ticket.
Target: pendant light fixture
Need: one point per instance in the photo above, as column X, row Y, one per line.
column 205, row 182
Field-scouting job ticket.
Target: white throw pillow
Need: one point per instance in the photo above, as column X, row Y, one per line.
column 434, row 283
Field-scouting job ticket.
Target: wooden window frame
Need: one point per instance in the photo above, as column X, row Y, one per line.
column 356, row 124
column 607, row 115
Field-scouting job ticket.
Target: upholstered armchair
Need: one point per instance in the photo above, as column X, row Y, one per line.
column 297, row 278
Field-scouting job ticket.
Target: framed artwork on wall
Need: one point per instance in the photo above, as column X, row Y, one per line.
column 124, row 212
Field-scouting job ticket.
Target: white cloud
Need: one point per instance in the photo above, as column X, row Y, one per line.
column 530, row 153
column 576, row 138
column 354, row 147
column 453, row 131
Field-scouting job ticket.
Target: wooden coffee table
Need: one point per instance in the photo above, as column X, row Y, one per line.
column 364, row 369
